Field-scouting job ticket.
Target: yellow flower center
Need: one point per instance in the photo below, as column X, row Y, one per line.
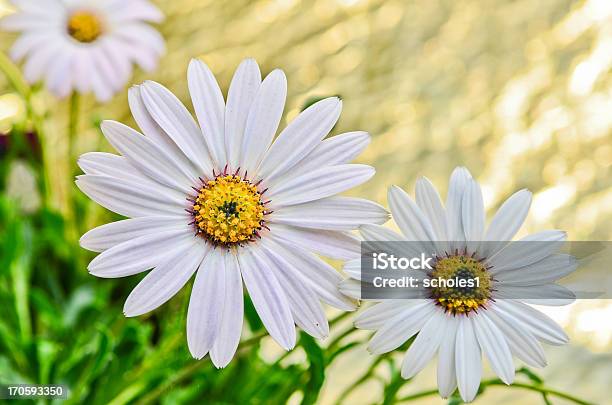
column 228, row 210
column 84, row 26
column 469, row 289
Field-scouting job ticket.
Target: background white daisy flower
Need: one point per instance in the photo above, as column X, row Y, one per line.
column 223, row 201
column 462, row 325
column 84, row 45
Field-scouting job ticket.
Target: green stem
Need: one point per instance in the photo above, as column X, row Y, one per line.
column 73, row 122
column 14, row 76
column 544, row 391
column 132, row 391
column 73, row 212
column 537, row 388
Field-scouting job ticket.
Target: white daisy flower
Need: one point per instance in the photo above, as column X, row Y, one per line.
column 462, row 324
column 223, row 201
column 84, row 45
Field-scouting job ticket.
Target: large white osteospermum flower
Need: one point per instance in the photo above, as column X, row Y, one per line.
column 223, row 201
column 84, row 45
column 462, row 324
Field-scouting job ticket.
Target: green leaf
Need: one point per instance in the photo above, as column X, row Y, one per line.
column 455, row 400
column 316, row 371
column 251, row 315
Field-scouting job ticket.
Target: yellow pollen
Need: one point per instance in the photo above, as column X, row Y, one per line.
column 84, row 26
column 228, row 210
column 461, row 299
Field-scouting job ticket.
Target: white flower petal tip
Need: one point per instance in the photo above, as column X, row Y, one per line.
column 461, row 172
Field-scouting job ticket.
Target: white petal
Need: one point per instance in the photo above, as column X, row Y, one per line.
column 209, row 108
column 547, row 294
column 140, row 254
column 540, row 325
column 242, row 91
column 547, row 270
column 300, row 137
column 428, row 200
column 410, row 219
column 494, row 345
column 320, row 183
column 473, row 213
column 154, row 132
column 82, row 70
column 102, row 88
column 142, row 34
column 352, row 268
column 27, row 43
column 305, row 306
column 143, row 54
column 262, row 122
column 446, row 376
column 59, row 80
column 528, row 250
column 108, row 164
column 397, row 330
column 122, row 65
column 36, row 64
column 322, row 278
column 165, row 280
column 145, row 122
column 337, row 150
column 425, row 345
column 377, row 315
column 268, row 297
column 172, row 116
column 379, row 233
column 106, row 70
column 467, row 359
column 147, row 156
column 206, row 304
column 458, row 184
column 333, row 213
column 228, row 337
column 137, row 10
column 506, row 222
column 25, row 21
column 351, row 288
column 108, row 235
column 333, row 244
column 129, row 198
column 523, row 343
column 51, row 8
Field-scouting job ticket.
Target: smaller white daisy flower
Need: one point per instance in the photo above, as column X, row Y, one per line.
column 462, row 324
column 84, row 45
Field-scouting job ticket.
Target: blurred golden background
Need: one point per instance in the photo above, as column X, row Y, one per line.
column 520, row 92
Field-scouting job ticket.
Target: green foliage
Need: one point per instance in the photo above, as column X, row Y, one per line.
column 60, row 325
